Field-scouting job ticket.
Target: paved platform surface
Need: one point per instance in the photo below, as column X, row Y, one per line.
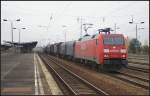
column 22, row 74
column 17, row 74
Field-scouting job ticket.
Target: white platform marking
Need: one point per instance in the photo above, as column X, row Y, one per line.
column 39, row 80
column 55, row 90
column 35, row 75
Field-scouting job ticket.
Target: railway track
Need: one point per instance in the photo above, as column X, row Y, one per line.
column 138, row 69
column 138, row 58
column 75, row 84
column 132, row 79
column 142, row 59
column 138, row 62
column 135, row 74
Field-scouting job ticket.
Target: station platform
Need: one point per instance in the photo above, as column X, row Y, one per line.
column 25, row 74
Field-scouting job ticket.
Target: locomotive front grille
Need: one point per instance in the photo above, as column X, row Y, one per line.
column 112, row 61
column 115, row 62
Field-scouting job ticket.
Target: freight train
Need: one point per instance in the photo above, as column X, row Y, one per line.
column 104, row 50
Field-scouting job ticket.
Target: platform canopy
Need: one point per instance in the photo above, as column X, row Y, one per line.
column 5, row 46
column 24, row 46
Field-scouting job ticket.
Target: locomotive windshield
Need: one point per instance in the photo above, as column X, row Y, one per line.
column 114, row 40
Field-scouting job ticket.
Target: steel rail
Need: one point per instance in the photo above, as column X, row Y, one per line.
column 131, row 55
column 138, row 58
column 132, row 81
column 129, row 80
column 138, row 69
column 99, row 91
column 58, row 76
column 140, row 63
column 83, row 80
column 133, row 76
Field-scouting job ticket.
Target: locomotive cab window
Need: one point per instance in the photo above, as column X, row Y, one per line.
column 113, row 40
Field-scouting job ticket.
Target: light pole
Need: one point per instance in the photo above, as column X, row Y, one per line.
column 20, row 34
column 80, row 19
column 116, row 28
column 19, row 29
column 136, row 28
column 11, row 21
column 64, row 26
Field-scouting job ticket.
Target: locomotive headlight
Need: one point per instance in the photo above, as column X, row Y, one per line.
column 123, row 50
column 106, row 50
column 123, row 56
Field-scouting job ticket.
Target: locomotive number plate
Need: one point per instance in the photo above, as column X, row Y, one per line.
column 114, row 50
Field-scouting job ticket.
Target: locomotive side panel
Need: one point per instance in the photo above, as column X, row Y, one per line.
column 99, row 49
column 86, row 49
column 89, row 51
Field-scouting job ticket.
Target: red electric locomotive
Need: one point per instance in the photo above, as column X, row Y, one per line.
column 108, row 51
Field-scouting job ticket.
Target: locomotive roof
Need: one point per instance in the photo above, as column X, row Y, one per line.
column 86, row 37
column 95, row 35
column 112, row 34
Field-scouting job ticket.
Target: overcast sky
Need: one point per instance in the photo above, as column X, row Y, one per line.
column 52, row 15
